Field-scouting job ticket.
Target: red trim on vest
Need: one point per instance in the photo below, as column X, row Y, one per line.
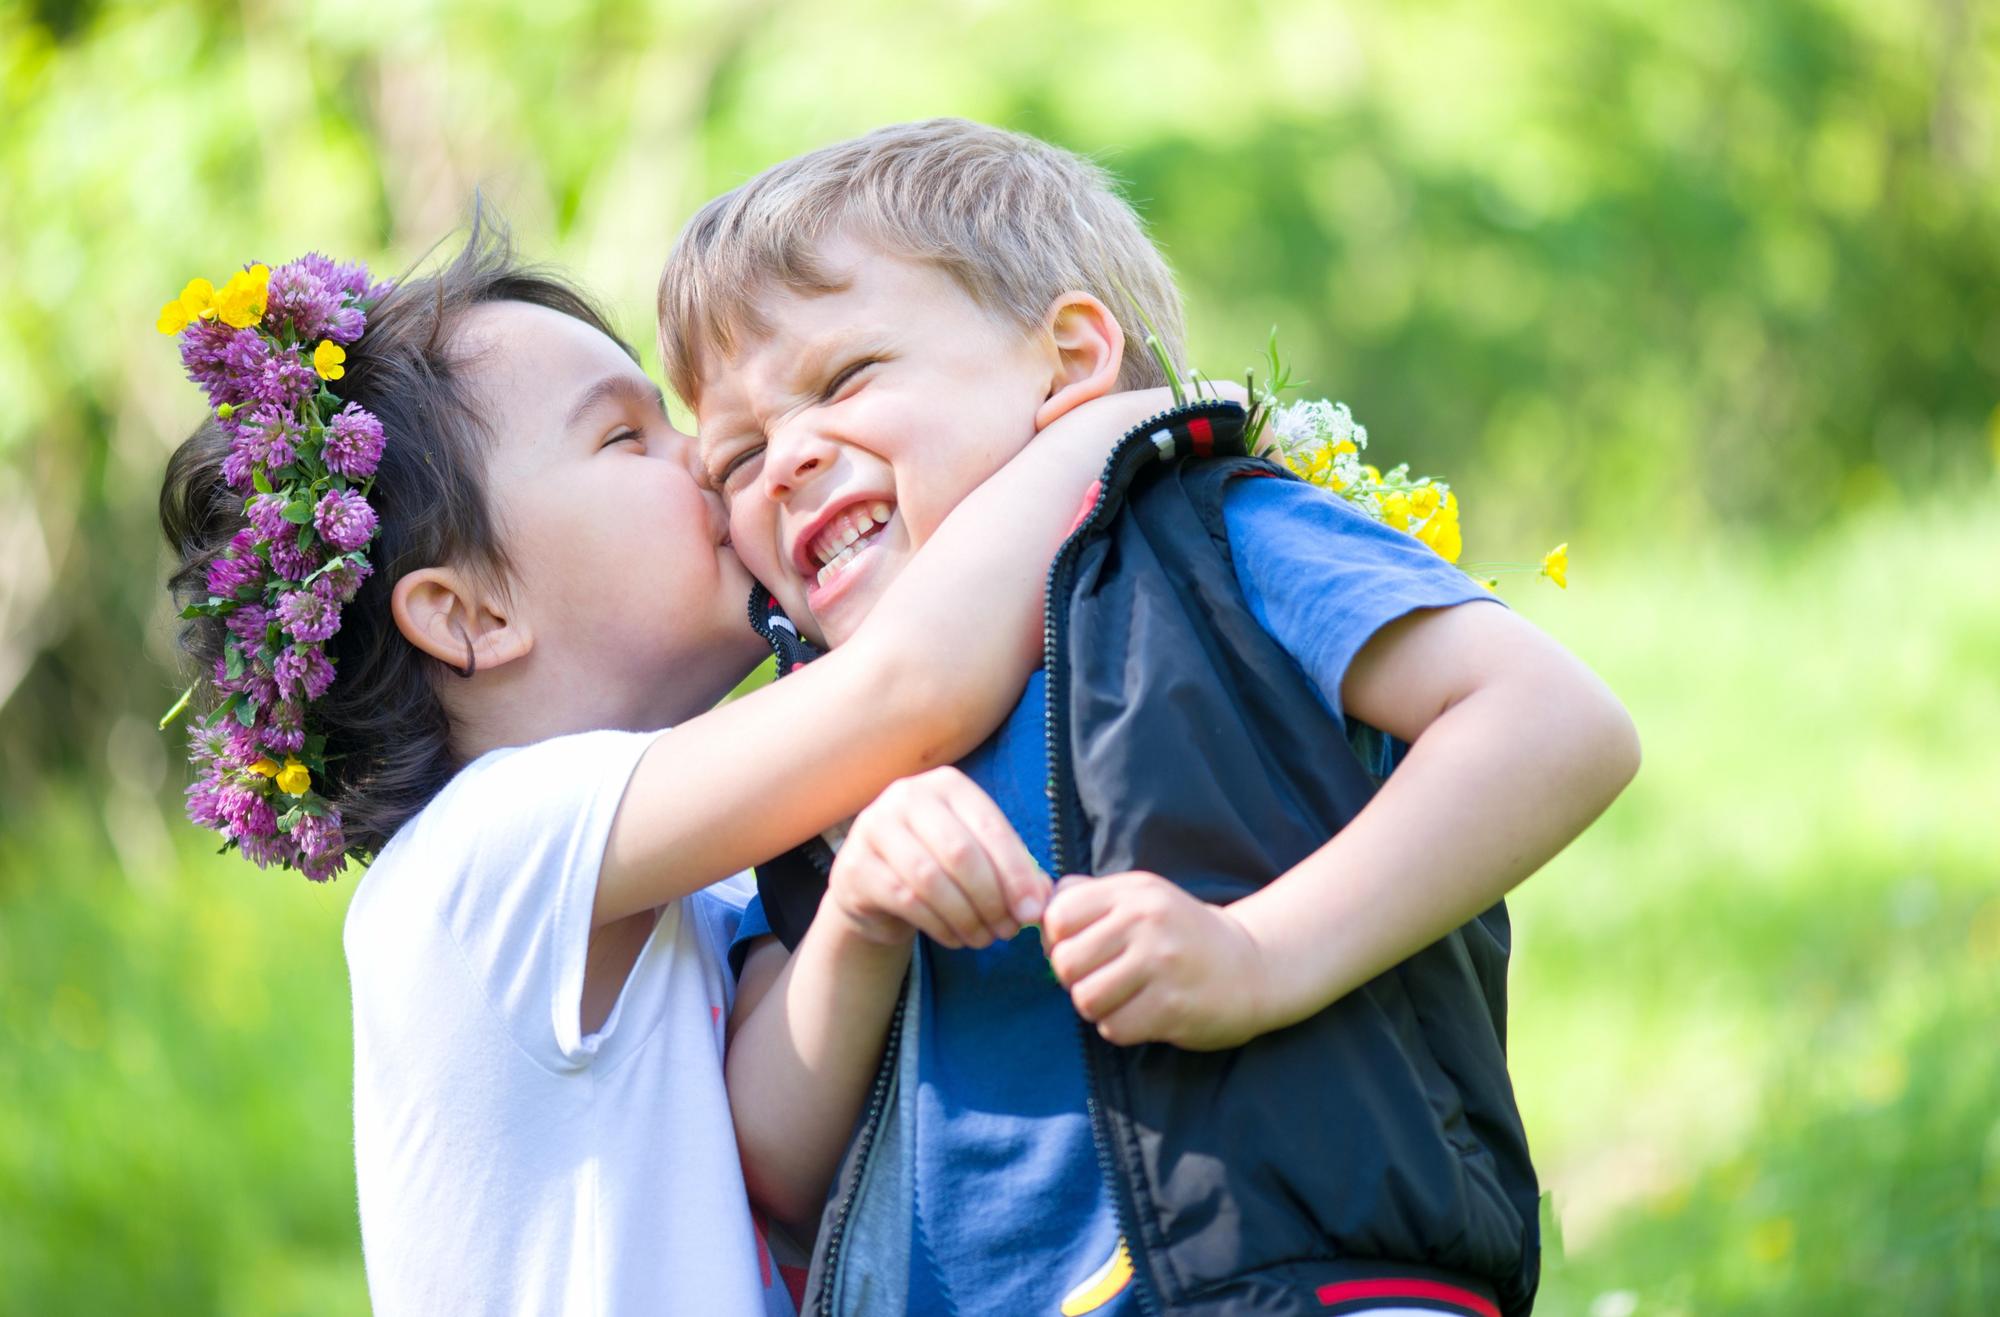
column 1203, row 435
column 1350, row 1291
column 1090, row 497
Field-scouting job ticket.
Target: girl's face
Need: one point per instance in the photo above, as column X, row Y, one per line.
column 621, row 566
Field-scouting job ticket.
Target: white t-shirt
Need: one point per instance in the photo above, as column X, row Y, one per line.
column 506, row 1161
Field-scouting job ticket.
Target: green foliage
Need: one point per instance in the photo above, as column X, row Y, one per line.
column 1752, row 1005
column 175, row 1135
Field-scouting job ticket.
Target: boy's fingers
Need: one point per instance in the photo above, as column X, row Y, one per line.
column 1077, row 956
column 1024, row 887
column 1107, row 988
column 1076, row 903
column 953, row 921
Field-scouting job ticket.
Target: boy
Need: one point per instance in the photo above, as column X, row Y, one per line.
column 1288, row 976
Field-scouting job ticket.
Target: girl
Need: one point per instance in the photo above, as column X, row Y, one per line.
column 479, row 518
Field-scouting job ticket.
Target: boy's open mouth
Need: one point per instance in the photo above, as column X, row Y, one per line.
column 845, row 535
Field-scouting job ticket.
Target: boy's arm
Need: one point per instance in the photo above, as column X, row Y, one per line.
column 934, row 855
column 761, row 774
column 1515, row 748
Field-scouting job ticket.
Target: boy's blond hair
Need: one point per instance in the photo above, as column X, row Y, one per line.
column 1013, row 220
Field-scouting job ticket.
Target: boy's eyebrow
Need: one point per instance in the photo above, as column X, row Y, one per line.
column 620, row 387
column 815, row 355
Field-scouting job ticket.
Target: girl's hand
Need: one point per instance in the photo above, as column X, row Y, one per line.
column 1146, row 962
column 934, row 855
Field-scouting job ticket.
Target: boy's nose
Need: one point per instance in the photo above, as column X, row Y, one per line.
column 793, row 455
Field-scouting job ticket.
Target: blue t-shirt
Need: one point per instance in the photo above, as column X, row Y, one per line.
column 1011, row 1211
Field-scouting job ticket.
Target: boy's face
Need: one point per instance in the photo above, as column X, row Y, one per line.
column 842, row 437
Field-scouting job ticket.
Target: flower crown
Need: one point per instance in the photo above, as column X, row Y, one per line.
column 264, row 347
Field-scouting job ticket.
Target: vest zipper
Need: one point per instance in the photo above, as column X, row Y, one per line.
column 864, row 1143
column 1062, row 789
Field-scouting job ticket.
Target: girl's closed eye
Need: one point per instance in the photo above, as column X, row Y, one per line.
column 620, row 435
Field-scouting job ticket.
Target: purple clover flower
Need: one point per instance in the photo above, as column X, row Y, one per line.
column 350, row 278
column 292, row 562
column 346, row 324
column 286, row 733
column 300, row 296
column 344, row 520
column 267, row 515
column 248, row 624
column 265, row 851
column 245, row 812
column 232, row 571
column 237, row 469
column 322, row 845
column 306, row 674
column 204, row 800
column 269, row 435
column 343, row 580
column 308, row 616
column 205, row 347
column 286, row 381
column 353, row 443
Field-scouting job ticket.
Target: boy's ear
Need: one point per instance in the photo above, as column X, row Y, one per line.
column 444, row 613
column 1089, row 352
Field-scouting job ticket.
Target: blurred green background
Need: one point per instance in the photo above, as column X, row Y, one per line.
column 1707, row 290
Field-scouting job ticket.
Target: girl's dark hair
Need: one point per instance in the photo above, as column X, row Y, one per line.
column 388, row 743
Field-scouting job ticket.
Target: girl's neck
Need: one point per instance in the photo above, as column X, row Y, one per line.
column 508, row 708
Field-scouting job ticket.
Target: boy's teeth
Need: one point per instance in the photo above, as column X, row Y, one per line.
column 832, row 544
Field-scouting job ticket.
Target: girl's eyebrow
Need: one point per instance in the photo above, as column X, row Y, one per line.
column 620, row 388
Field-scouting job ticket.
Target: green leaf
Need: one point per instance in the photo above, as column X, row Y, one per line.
column 305, row 538
column 298, row 512
column 260, row 480
column 246, row 713
column 232, row 658
column 179, row 705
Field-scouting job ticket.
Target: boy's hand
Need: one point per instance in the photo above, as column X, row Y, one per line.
column 934, row 855
column 1146, row 962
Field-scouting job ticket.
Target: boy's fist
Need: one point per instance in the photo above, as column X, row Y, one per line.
column 1146, row 962
column 934, row 855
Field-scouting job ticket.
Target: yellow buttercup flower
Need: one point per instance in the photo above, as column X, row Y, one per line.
column 1396, row 510
column 197, row 299
column 1344, row 447
column 264, row 768
column 240, row 304
column 327, row 359
column 1555, row 565
column 1424, row 500
column 294, row 779
column 1441, row 533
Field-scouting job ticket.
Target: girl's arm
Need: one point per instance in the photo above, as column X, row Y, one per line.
column 929, row 675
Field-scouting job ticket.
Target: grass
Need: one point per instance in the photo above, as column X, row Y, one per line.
column 1753, row 1008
